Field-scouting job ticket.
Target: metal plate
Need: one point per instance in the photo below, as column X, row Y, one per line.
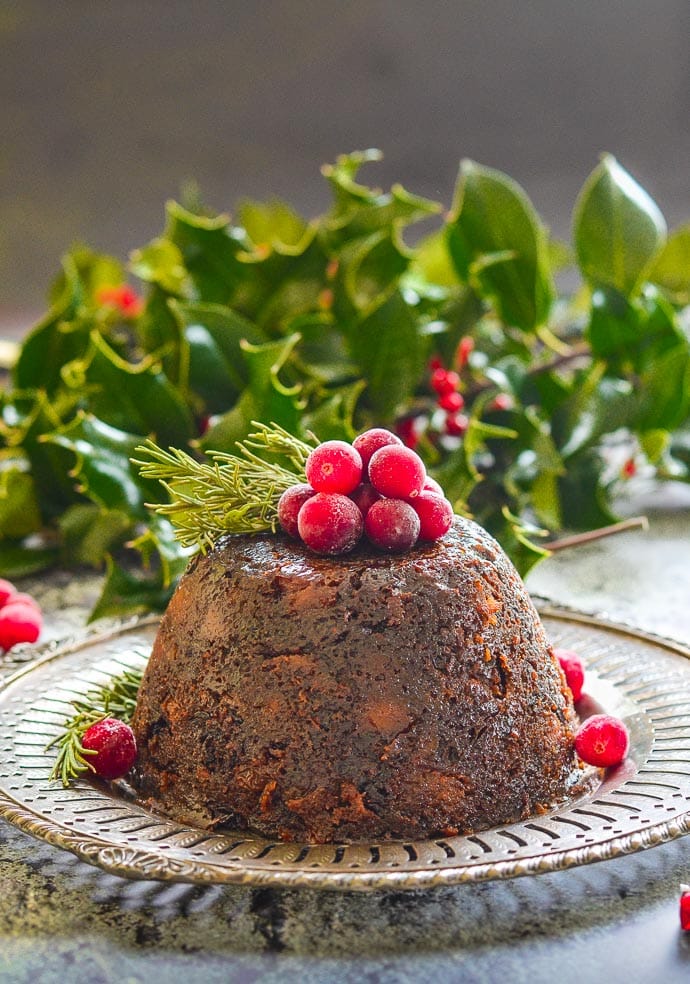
column 644, row 680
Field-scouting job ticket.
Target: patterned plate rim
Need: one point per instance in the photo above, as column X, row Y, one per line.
column 182, row 861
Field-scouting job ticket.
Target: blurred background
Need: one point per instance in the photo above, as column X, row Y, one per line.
column 108, row 108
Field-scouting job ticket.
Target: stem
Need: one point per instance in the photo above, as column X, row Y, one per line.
column 635, row 522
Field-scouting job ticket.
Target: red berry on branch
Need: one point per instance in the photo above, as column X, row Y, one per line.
column 289, row 505
column 452, row 402
column 435, row 363
column 392, row 525
column 123, row 297
column 397, row 472
column 629, row 469
column 456, row 424
column 330, row 523
column 371, row 440
column 503, row 401
column 334, row 466
column 602, row 740
column 19, row 623
column 115, row 747
column 435, row 515
column 444, row 381
column 574, row 670
column 407, row 430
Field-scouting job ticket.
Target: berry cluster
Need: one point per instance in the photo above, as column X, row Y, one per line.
column 375, row 487
column 20, row 617
column 602, row 739
column 446, row 384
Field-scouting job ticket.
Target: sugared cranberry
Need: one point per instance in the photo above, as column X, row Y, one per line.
column 392, row 525
column 602, row 740
column 372, row 440
column 330, row 523
column 365, row 495
column 452, row 402
column 456, row 424
column 7, row 589
column 334, row 466
column 435, row 515
column 115, row 747
column 431, row 485
column 289, row 505
column 20, row 597
column 19, row 622
column 397, row 472
column 444, row 381
column 574, row 670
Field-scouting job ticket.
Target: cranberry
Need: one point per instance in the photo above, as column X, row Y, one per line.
column 392, row 525
column 456, row 424
column 330, row 523
column 372, row 440
column 407, row 429
column 444, row 381
column 602, row 740
column 115, row 747
column 574, row 670
column 24, row 599
column 334, row 466
column 431, row 485
column 503, row 401
column 397, row 472
column 19, row 622
column 452, row 402
column 365, row 495
column 6, row 590
column 289, row 505
column 435, row 515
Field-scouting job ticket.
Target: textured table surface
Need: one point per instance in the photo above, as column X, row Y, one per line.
column 617, row 920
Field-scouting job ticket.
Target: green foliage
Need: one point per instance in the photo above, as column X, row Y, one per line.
column 327, row 325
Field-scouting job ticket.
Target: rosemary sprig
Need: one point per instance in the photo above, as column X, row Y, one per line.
column 230, row 493
column 117, row 698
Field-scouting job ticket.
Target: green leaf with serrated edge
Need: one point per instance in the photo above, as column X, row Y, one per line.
column 19, row 511
column 217, row 366
column 161, row 262
column 137, row 397
column 57, row 339
column 25, row 416
column 265, row 397
column 368, row 269
column 498, row 243
column 103, row 468
column 617, row 229
column 386, row 345
column 210, row 248
column 360, row 211
column 332, row 418
column 89, row 533
column 671, row 269
column 273, row 225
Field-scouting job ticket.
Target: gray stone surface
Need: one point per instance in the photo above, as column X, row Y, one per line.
column 615, row 921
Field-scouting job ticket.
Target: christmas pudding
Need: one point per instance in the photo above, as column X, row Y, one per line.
column 357, row 697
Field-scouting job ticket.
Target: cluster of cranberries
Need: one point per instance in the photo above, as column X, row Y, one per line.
column 20, row 616
column 375, row 487
column 602, row 739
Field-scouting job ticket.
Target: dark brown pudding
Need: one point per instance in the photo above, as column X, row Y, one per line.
column 355, row 698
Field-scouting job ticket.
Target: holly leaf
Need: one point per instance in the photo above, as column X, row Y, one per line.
column 499, row 246
column 20, row 514
column 671, row 269
column 210, row 249
column 618, row 229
